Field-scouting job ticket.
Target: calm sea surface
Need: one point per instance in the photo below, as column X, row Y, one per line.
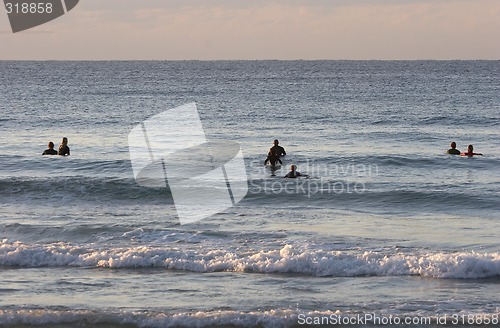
column 387, row 227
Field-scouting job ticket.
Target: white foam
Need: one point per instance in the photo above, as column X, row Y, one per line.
column 215, row 318
column 288, row 259
column 47, row 317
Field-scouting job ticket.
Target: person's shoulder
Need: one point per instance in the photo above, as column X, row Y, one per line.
column 49, row 152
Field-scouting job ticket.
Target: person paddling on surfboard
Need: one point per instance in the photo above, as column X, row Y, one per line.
column 453, row 150
column 294, row 173
column 470, row 152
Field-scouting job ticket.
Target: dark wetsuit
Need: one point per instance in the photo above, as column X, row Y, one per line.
column 63, row 150
column 278, row 151
column 453, row 151
column 272, row 159
column 275, row 152
column 294, row 174
column 50, row 152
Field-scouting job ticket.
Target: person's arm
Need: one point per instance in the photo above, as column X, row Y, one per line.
column 283, row 151
column 68, row 151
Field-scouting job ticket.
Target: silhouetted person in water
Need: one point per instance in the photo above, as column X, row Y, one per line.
column 277, row 150
column 274, row 154
column 50, row 150
column 453, row 150
column 63, row 147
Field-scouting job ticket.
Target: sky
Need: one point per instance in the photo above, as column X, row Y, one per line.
column 258, row 29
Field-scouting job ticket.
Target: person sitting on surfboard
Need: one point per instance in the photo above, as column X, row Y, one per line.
column 453, row 150
column 50, row 150
column 294, row 173
column 470, row 152
column 272, row 159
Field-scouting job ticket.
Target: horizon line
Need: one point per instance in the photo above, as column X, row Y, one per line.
column 220, row 60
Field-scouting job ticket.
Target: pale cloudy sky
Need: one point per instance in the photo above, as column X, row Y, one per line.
column 273, row 29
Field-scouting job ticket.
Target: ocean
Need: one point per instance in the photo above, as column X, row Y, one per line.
column 387, row 230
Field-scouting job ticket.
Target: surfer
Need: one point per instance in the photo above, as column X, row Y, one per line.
column 470, row 152
column 274, row 154
column 63, row 147
column 277, row 150
column 453, row 150
column 294, row 173
column 50, row 150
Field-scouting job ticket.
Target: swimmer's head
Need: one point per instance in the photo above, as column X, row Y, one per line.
column 293, row 167
column 51, row 145
column 276, row 142
column 470, row 148
column 64, row 140
column 453, row 145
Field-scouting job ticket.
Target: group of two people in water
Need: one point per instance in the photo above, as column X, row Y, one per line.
column 63, row 148
column 273, row 157
column 454, row 151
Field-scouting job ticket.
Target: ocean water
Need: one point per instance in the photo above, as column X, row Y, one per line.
column 387, row 229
